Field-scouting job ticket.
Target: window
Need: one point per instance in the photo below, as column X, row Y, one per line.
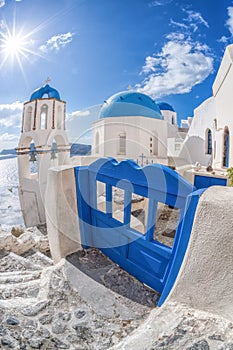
column 122, row 144
column 173, row 121
column 43, row 116
column 226, row 147
column 208, row 141
column 177, row 146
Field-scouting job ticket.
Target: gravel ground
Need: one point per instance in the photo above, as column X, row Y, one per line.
column 89, row 303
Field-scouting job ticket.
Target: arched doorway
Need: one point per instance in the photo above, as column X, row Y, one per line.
column 226, row 147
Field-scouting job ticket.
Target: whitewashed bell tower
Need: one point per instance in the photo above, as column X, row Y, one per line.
column 43, row 128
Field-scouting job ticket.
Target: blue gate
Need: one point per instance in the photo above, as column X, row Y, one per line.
column 152, row 262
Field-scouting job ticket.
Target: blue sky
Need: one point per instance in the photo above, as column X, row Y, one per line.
column 91, row 49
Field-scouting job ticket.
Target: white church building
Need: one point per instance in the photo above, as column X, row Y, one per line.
column 130, row 126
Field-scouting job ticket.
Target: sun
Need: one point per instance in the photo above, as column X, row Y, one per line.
column 16, row 46
column 13, row 45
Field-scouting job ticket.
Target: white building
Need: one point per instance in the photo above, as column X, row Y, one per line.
column 43, row 127
column 209, row 140
column 131, row 125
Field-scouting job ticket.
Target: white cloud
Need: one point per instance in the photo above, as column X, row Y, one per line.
column 8, row 137
column 175, row 36
column 195, row 18
column 179, row 66
column 2, row 3
column 12, row 107
column 159, row 3
column 229, row 22
column 8, row 140
column 191, row 22
column 79, row 124
column 83, row 113
column 177, row 24
column 11, row 114
column 56, row 42
column 223, row 39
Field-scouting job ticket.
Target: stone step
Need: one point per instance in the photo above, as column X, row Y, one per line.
column 14, row 262
column 29, row 289
column 18, row 303
column 40, row 259
column 13, row 277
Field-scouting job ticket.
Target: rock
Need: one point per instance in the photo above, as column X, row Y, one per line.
column 3, row 331
column 24, row 243
column 79, row 314
column 7, row 241
column 36, row 342
column 58, row 327
column 28, row 333
column 43, row 332
column 35, row 309
column 83, row 332
column 16, row 335
column 46, row 319
column 22, row 346
column 17, row 231
column 201, row 345
column 64, row 316
column 228, row 346
column 29, row 324
column 12, row 321
column 59, row 344
column 216, row 337
column 9, row 341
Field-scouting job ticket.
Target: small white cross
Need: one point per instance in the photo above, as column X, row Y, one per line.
column 47, row 80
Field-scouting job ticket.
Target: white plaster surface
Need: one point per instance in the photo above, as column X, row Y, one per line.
column 205, row 280
column 61, row 212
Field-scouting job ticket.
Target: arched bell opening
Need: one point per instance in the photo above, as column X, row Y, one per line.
column 33, row 158
column 54, row 154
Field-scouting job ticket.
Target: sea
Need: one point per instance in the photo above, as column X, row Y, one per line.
column 10, row 212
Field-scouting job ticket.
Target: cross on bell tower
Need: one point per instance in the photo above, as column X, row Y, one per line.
column 48, row 80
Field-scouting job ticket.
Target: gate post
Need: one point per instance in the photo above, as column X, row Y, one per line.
column 61, row 213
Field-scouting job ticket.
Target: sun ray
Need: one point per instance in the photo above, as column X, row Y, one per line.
column 15, row 46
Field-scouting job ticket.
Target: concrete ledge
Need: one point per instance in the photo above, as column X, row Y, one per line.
column 61, row 213
column 205, row 280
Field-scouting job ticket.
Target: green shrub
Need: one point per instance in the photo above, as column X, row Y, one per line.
column 230, row 175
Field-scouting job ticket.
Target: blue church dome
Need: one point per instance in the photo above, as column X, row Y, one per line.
column 130, row 103
column 39, row 93
column 165, row 107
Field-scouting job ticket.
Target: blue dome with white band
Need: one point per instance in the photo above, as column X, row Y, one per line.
column 45, row 90
column 164, row 106
column 130, row 103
